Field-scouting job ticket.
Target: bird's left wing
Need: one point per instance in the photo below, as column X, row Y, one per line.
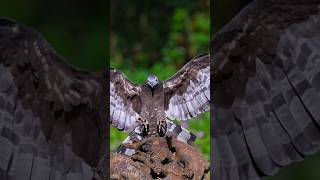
column 187, row 93
column 125, row 101
column 266, row 86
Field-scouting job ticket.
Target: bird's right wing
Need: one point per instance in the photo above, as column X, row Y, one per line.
column 125, row 101
column 50, row 123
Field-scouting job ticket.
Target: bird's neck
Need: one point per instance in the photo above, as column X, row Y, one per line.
column 154, row 92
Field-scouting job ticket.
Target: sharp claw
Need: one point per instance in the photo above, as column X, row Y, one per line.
column 162, row 127
column 144, row 126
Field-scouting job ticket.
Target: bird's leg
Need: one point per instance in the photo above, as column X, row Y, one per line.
column 162, row 127
column 144, row 126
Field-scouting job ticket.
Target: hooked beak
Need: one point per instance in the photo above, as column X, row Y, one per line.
column 152, row 86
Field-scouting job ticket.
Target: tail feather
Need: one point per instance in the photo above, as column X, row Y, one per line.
column 180, row 133
column 135, row 134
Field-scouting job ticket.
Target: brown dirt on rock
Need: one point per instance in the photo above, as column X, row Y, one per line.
column 160, row 158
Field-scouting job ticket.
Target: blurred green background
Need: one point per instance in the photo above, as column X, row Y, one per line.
column 159, row 37
column 77, row 29
column 223, row 11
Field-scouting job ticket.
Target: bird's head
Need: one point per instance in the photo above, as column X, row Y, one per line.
column 152, row 81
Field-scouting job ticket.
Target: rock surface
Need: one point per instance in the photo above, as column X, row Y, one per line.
column 160, row 158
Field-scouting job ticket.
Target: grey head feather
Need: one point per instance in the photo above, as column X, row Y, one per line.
column 152, row 80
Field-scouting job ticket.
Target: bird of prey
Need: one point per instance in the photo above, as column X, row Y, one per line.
column 266, row 88
column 146, row 109
column 51, row 125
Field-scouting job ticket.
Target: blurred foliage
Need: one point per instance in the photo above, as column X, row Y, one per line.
column 159, row 37
column 77, row 29
column 223, row 11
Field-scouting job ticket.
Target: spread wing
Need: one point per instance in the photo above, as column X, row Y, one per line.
column 50, row 125
column 187, row 93
column 125, row 101
column 266, row 81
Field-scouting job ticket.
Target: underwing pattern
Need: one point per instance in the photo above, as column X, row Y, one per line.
column 124, row 101
column 187, row 94
column 50, row 119
column 265, row 77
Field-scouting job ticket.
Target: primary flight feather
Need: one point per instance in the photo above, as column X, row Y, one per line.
column 51, row 124
column 266, row 79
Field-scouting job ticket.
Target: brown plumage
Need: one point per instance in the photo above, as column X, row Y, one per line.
column 148, row 108
column 50, row 113
column 265, row 75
